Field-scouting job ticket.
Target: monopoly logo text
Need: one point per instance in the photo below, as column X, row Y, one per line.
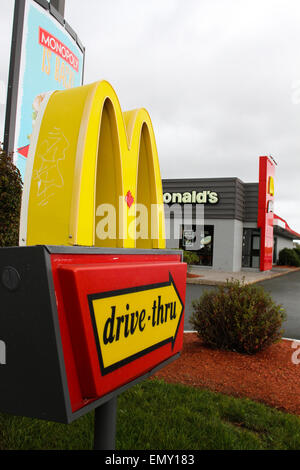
column 53, row 44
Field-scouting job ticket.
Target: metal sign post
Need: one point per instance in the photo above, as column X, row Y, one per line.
column 105, row 426
column 13, row 78
column 59, row 5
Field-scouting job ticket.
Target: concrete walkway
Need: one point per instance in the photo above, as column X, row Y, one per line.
column 211, row 277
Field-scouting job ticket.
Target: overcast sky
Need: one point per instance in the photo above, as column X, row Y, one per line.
column 220, row 79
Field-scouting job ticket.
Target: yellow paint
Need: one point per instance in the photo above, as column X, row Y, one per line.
column 46, row 61
column 130, row 323
column 88, row 153
column 271, row 186
column 63, row 73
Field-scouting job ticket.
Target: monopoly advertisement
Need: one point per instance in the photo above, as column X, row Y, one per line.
column 50, row 60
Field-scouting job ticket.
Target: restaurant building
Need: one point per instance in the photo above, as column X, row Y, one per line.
column 229, row 224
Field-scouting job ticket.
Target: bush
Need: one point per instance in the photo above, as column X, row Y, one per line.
column 190, row 257
column 297, row 250
column 238, row 317
column 289, row 257
column 10, row 201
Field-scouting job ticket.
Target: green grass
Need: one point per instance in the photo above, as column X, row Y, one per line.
column 158, row 416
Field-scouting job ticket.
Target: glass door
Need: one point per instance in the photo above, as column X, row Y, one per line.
column 275, row 251
column 255, row 250
column 251, row 248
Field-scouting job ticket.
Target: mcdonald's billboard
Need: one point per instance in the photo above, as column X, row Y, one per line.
column 102, row 300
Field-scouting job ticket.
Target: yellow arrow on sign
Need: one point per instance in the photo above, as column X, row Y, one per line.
column 130, row 323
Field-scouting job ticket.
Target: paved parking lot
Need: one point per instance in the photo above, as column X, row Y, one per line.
column 285, row 290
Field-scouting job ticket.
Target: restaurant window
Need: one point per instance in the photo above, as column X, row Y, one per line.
column 206, row 243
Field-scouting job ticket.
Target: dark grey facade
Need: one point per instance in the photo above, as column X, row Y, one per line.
column 250, row 202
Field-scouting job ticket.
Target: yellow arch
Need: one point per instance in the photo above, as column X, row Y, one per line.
column 86, row 152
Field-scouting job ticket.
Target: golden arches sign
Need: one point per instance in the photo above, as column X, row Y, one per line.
column 86, row 153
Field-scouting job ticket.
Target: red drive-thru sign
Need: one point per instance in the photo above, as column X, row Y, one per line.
column 79, row 325
column 120, row 317
column 266, row 211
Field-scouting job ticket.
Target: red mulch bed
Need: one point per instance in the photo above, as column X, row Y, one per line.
column 193, row 275
column 269, row 376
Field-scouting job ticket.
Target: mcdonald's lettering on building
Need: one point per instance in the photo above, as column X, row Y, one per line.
column 93, row 301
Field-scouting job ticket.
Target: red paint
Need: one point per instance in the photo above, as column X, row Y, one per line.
column 265, row 218
column 49, row 41
column 129, row 199
column 77, row 276
column 24, row 151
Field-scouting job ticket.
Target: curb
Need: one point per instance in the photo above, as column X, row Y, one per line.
column 210, row 282
column 282, row 339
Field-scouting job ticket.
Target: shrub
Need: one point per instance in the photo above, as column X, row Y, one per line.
column 297, row 250
column 190, row 257
column 238, row 317
column 289, row 257
column 10, row 201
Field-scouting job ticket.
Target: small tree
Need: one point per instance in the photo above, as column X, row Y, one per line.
column 10, row 200
column 238, row 317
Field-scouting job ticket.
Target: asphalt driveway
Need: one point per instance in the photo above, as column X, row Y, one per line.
column 285, row 290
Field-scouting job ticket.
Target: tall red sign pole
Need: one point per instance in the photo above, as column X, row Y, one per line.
column 265, row 211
